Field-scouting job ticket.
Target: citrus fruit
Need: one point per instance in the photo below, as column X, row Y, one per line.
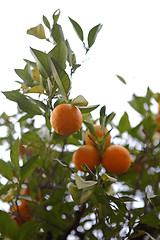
column 21, row 214
column 116, row 159
column 66, row 119
column 99, row 134
column 88, row 155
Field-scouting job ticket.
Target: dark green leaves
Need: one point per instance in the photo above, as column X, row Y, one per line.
column 93, row 34
column 77, row 28
column 8, row 227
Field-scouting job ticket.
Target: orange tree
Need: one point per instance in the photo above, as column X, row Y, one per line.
column 63, row 202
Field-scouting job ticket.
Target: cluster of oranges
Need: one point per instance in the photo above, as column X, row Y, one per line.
column 66, row 119
column 115, row 159
column 23, row 212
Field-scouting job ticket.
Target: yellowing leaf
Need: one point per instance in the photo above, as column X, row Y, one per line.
column 35, row 74
column 37, row 31
column 105, row 177
column 8, row 196
column 36, row 89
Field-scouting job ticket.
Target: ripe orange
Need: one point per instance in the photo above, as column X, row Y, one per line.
column 99, row 134
column 22, row 214
column 88, row 155
column 116, row 159
column 66, row 119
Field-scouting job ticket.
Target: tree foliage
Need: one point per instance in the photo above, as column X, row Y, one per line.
column 89, row 205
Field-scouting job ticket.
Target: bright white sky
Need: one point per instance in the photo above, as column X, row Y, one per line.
column 128, row 45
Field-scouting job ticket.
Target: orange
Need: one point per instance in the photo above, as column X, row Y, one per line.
column 116, row 159
column 99, row 134
column 66, row 119
column 88, row 155
column 22, row 214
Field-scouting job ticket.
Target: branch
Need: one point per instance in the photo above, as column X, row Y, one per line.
column 77, row 217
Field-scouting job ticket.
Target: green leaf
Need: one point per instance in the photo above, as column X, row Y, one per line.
column 25, row 76
column 57, row 33
column 31, row 137
column 56, row 15
column 90, row 127
column 61, row 78
column 15, row 153
column 5, row 170
column 37, row 31
column 30, row 63
column 138, row 104
column 124, row 124
column 46, row 22
column 5, row 188
column 28, row 230
column 80, row 196
column 59, row 54
column 77, row 28
column 81, row 183
column 28, row 168
column 70, row 54
column 25, row 104
column 79, row 101
column 150, row 220
column 121, row 79
column 103, row 111
column 42, row 61
column 8, row 227
column 88, row 109
column 93, row 34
